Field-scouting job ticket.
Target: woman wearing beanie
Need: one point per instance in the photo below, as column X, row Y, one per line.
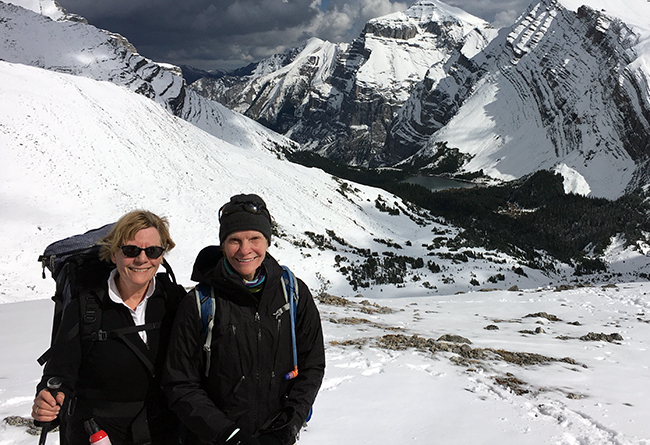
column 242, row 395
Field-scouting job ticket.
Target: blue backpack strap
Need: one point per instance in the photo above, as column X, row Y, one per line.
column 205, row 302
column 291, row 295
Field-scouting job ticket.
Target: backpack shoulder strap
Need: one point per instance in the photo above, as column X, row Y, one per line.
column 291, row 295
column 88, row 322
column 205, row 301
column 290, row 284
column 90, row 305
column 90, row 318
column 168, row 270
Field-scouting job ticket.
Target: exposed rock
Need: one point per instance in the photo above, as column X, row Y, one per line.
column 333, row 300
column 402, row 342
column 26, row 422
column 512, row 383
column 563, row 287
column 329, row 98
column 550, row 317
column 349, row 320
column 611, row 338
column 454, row 339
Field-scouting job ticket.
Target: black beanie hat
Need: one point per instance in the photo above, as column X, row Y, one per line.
column 244, row 212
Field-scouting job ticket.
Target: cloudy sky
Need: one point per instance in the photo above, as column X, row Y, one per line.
column 226, row 34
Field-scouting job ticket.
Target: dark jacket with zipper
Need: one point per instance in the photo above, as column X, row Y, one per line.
column 251, row 351
column 105, row 379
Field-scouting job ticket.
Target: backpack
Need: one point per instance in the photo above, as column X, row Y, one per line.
column 75, row 266
column 205, row 300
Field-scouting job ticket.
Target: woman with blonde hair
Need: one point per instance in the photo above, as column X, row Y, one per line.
column 113, row 377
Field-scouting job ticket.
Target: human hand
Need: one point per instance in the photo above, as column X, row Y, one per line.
column 46, row 407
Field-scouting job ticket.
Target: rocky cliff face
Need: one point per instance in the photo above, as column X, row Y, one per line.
column 560, row 88
column 341, row 100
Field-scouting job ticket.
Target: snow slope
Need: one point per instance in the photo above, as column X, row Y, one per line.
column 77, row 153
column 380, row 389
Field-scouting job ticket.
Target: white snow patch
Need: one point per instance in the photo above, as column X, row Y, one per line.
column 574, row 182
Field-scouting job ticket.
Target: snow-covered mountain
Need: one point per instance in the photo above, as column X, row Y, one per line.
column 340, row 99
column 52, row 39
column 76, row 152
column 565, row 88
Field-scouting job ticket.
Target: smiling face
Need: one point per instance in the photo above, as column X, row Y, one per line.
column 136, row 273
column 245, row 251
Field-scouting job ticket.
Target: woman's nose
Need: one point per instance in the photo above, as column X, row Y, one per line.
column 141, row 258
column 245, row 247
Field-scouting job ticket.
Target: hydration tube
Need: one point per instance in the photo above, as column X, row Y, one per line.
column 290, row 282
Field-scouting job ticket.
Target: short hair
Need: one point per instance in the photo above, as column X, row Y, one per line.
column 128, row 226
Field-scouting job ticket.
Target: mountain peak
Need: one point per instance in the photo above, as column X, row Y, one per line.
column 425, row 16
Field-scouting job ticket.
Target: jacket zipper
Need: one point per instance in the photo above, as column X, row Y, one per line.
column 257, row 368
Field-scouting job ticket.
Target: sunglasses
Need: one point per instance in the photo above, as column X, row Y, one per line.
column 255, row 208
column 152, row 252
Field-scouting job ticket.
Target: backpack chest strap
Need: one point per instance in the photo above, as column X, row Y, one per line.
column 101, row 335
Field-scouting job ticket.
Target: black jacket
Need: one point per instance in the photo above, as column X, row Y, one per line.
column 251, row 353
column 106, row 379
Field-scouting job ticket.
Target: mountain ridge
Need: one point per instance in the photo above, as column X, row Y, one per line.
column 330, row 97
column 571, row 81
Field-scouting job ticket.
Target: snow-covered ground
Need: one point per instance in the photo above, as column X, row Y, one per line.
column 376, row 394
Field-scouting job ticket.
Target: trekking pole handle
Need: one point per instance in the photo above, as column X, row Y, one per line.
column 53, row 386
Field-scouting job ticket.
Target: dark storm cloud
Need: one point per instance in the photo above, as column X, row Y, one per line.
column 230, row 34
column 197, row 30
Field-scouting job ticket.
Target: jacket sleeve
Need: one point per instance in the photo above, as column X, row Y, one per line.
column 182, row 376
column 65, row 357
column 311, row 359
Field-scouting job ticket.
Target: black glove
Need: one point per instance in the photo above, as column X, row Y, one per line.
column 280, row 432
column 238, row 437
column 271, row 439
column 282, row 436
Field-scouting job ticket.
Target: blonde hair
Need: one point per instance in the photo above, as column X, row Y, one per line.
column 126, row 228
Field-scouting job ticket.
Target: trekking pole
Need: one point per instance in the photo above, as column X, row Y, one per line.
column 53, row 385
